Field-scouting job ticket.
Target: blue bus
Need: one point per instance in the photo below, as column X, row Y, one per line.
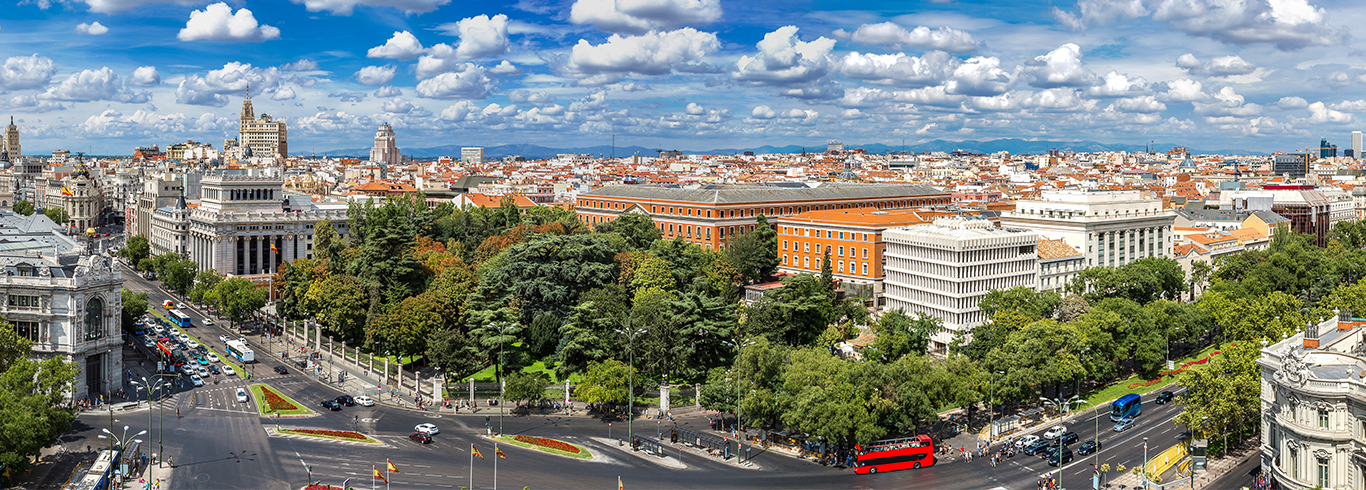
column 180, row 318
column 1127, row 406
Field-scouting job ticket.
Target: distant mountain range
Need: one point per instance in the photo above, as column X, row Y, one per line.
column 1012, row 145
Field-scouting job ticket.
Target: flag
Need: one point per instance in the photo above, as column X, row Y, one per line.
column 346, row 484
column 392, row 468
column 499, row 452
column 273, row 249
column 619, row 485
column 66, row 192
column 476, row 451
column 380, row 476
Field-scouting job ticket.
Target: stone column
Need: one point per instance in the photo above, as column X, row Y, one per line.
column 472, row 403
column 386, row 369
column 663, row 398
column 697, row 394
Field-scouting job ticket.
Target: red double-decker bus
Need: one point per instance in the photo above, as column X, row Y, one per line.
column 170, row 355
column 895, row 454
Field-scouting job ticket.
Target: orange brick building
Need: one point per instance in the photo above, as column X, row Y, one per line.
column 852, row 236
column 710, row 215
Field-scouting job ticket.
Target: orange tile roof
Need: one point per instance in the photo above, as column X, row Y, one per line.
column 1246, row 234
column 1055, row 249
column 871, row 217
column 1211, row 238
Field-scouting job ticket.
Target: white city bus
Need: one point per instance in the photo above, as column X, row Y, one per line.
column 240, row 351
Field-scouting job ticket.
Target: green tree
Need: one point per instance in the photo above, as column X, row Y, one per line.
column 204, row 283
column 1141, row 281
column 1223, row 395
column 134, row 306
column 175, row 273
column 24, row 208
column 547, row 273
column 407, row 327
column 605, row 382
column 898, row 335
column 136, row 250
column 31, row 392
column 455, row 352
column 498, row 342
column 1071, row 308
column 587, row 335
column 57, row 215
column 1034, row 304
column 639, row 230
column 649, row 271
column 238, row 298
column 755, row 254
column 544, row 335
column 526, row 387
column 1045, row 353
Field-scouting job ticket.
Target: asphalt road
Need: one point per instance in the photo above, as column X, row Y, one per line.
column 220, row 444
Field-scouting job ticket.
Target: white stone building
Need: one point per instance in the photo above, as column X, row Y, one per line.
column 81, row 196
column 472, row 155
column 385, row 151
column 945, row 269
column 1110, row 228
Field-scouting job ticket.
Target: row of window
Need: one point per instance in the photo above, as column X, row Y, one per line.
column 806, row 247
column 812, row 232
column 838, row 268
column 770, row 211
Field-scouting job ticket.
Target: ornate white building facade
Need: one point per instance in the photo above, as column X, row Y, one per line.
column 1109, row 228
column 81, row 196
column 69, row 307
column 385, row 150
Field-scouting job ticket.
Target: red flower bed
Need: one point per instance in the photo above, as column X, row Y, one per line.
column 322, row 487
column 1175, row 371
column 344, row 434
column 550, row 443
column 276, row 402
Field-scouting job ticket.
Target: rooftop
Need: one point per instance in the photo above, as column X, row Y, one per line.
column 763, row 192
column 869, row 217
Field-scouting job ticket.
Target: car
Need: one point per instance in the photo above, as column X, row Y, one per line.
column 213, row 369
column 242, row 340
column 241, row 395
column 1026, row 440
column 223, row 338
column 420, row 438
column 159, row 329
column 1088, row 447
column 187, row 370
column 281, row 370
column 365, row 401
column 1067, row 438
column 1047, row 452
column 182, row 336
column 1056, row 431
column 346, row 400
column 192, row 344
column 427, row 429
column 1164, row 397
column 1060, row 458
column 149, row 344
column 212, row 357
column 198, row 381
column 201, row 360
column 208, row 322
column 1036, row 446
column 203, row 372
column 229, row 371
column 1124, row 424
column 331, row 405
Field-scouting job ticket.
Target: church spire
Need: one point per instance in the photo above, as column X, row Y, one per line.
column 247, row 113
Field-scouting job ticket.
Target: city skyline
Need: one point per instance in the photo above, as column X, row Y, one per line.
column 107, row 75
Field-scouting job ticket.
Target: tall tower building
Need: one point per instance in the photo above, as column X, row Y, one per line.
column 263, row 136
column 11, row 145
column 386, row 148
column 1356, row 145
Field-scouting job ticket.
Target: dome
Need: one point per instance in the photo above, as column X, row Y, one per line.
column 1359, row 191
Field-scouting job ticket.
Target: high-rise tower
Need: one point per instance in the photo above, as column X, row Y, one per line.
column 11, row 141
column 386, row 150
column 263, row 135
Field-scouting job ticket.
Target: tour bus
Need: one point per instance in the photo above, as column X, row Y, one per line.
column 179, row 318
column 240, row 351
column 171, row 357
column 1127, row 406
column 895, row 454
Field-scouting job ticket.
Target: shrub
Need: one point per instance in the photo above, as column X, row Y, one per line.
column 276, row 402
column 343, row 434
column 548, row 443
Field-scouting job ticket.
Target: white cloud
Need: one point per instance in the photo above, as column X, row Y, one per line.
column 763, row 112
column 233, row 78
column 535, row 99
column 641, row 16
column 346, row 7
column 30, row 103
column 301, row 65
column 1061, row 67
column 469, row 82
column 94, row 29
column 398, row 106
column 941, row 39
column 504, row 69
column 1057, row 100
column 1220, row 66
column 482, row 36
column 594, row 101
column 1184, row 90
column 1093, row 12
column 783, row 59
column 375, row 75
column 145, row 76
column 653, row 53
column 1146, row 104
column 388, row 91
column 1358, row 105
column 694, row 109
column 1287, row 24
column 1116, row 84
column 1227, row 102
column 89, row 85
column 402, row 46
column 926, row 128
column 980, row 76
column 283, row 93
column 1289, row 103
column 25, row 72
column 217, row 22
column 899, row 69
column 1322, row 114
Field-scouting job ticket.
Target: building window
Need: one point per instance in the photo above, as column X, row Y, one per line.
column 865, row 253
column 806, row 246
column 806, row 262
column 818, row 248
column 865, row 268
column 1323, row 472
column 26, row 270
column 17, row 301
column 841, row 251
column 784, row 244
column 841, row 269
column 28, row 330
column 94, row 316
column 1294, row 457
column 1323, row 419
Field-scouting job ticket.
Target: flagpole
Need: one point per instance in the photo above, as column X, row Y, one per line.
column 372, row 477
column 495, row 461
column 471, row 466
column 387, row 465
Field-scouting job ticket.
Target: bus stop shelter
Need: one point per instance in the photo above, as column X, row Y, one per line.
column 649, row 445
column 703, row 441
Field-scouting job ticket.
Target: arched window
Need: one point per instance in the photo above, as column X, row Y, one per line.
column 94, row 319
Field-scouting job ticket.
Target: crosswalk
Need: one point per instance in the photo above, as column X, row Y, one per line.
column 354, row 467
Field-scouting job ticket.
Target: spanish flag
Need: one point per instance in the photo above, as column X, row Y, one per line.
column 619, row 485
column 392, row 468
column 273, row 249
column 66, row 192
column 499, row 452
column 476, row 451
column 380, row 475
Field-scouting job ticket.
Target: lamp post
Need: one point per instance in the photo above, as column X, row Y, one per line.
column 1144, row 471
column 149, row 388
column 631, row 334
column 121, row 442
column 502, row 329
column 1095, row 417
column 739, row 346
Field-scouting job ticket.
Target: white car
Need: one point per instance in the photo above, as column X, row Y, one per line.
column 229, row 371
column 187, row 369
column 192, row 344
column 182, row 337
column 208, row 322
column 365, row 401
column 242, row 340
column 428, row 429
column 223, row 338
column 1056, row 431
column 241, row 395
column 212, row 357
column 198, row 381
column 1026, row 441
column 203, row 371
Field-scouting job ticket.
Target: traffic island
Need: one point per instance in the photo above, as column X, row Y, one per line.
column 547, row 445
column 271, row 403
column 335, row 435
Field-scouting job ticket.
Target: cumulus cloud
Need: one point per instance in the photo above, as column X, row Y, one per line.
column 398, row 106
column 1057, row 100
column 1061, row 67
column 505, row 69
column 1184, row 90
column 233, row 78
column 217, row 22
column 536, row 99
column 388, row 91
column 468, row 82
column 980, row 76
column 480, row 36
column 653, row 53
column 763, row 112
column 1227, row 102
column 694, row 110
column 375, row 75
column 1287, row 24
column 1358, row 105
column 94, row 29
column 346, row 7
column 283, row 93
column 145, row 76
column 1096, row 12
column 403, row 46
column 25, row 72
column 1291, row 103
column 89, row 85
column 301, row 65
column 641, row 16
column 30, row 103
column 1115, row 84
column 1146, row 105
column 1220, row 66
column 891, row 34
column 899, row 69
column 1319, row 113
column 797, row 67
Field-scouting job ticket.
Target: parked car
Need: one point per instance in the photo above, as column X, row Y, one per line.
column 1088, row 447
column 1048, row 451
column 427, row 429
column 192, row 343
column 187, row 370
column 1056, row 431
column 281, row 370
column 201, row 360
column 1036, row 446
column 229, row 371
column 330, row 405
column 213, row 369
column 1060, row 458
column 1067, row 438
column 420, row 438
column 198, row 381
column 1164, row 397
column 241, row 395
column 1026, row 440
column 346, row 400
column 203, row 371
column 212, row 357
column 365, row 401
column 223, row 338
column 1124, row 424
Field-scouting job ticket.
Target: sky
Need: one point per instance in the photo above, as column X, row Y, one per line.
column 104, row 76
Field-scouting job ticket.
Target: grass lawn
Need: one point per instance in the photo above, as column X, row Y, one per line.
column 487, row 375
column 321, row 434
column 264, row 408
column 582, row 454
column 1121, row 388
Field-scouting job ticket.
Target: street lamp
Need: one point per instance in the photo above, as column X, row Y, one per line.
column 631, row 334
column 1144, row 471
column 502, row 329
column 1096, row 417
column 149, row 388
column 739, row 347
column 121, row 442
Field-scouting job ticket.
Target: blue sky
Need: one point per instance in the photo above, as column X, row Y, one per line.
column 108, row 75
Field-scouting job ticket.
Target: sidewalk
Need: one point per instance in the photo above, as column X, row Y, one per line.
column 1172, row 479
